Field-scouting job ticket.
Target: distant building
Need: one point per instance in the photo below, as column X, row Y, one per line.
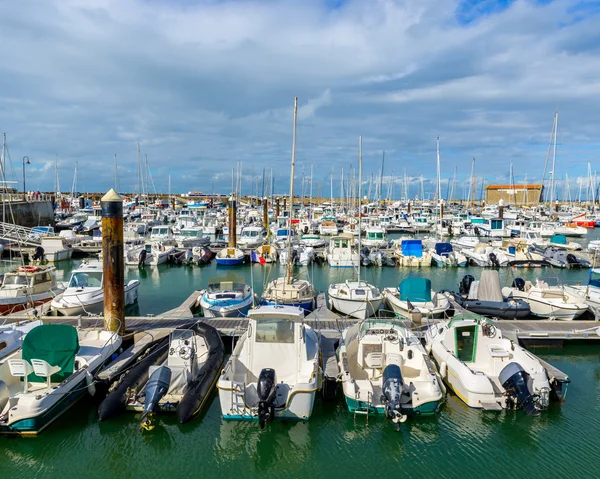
column 514, row 194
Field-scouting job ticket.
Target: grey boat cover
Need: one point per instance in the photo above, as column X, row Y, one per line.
column 489, row 286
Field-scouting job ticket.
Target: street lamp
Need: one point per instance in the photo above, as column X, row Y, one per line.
column 25, row 162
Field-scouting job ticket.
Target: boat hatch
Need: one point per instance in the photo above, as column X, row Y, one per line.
column 466, row 342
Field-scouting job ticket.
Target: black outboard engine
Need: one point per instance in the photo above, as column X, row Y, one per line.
column 519, row 283
column 476, row 230
column 465, row 284
column 392, row 392
column 494, row 259
column 142, row 260
column 519, row 387
column 267, row 391
column 572, row 259
column 39, row 254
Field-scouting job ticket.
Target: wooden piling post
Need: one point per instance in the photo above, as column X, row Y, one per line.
column 501, row 209
column 277, row 208
column 113, row 262
column 232, row 242
column 265, row 213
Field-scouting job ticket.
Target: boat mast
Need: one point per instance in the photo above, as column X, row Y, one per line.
column 116, row 175
column 359, row 201
column 291, row 210
column 554, row 158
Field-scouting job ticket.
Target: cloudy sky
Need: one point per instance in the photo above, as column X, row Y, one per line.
column 204, row 84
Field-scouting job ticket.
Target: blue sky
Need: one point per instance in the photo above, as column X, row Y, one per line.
column 205, row 84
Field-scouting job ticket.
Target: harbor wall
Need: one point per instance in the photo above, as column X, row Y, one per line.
column 28, row 213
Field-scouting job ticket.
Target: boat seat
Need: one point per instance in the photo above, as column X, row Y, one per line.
column 374, row 360
column 20, row 368
column 44, row 369
column 498, row 351
column 394, row 358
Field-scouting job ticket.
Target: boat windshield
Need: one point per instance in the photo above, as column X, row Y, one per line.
column 194, row 233
column 91, row 279
column 15, row 280
column 274, row 331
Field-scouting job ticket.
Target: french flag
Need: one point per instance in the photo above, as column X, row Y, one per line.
column 256, row 258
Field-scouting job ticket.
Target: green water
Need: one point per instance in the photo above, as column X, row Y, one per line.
column 460, row 442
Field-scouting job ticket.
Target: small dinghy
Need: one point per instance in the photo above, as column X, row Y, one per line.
column 226, row 298
column 414, row 295
column 485, row 297
column 488, row 371
column 54, row 369
column 385, row 370
column 177, row 374
column 563, row 259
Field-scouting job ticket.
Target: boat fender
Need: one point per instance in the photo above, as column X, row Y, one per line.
column 89, row 381
column 443, row 369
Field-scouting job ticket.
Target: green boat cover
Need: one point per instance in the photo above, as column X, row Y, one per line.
column 57, row 344
column 417, row 290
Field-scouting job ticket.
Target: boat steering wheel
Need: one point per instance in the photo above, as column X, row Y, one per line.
column 185, row 352
column 489, row 330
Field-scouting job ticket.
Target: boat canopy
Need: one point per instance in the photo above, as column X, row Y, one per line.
column 412, row 248
column 594, row 279
column 489, row 286
column 57, row 344
column 443, row 249
column 558, row 239
column 417, row 290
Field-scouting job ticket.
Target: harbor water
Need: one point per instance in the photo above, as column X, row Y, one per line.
column 459, row 442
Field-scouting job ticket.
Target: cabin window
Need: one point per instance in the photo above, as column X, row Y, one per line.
column 15, row 280
column 466, row 341
column 84, row 280
column 2, row 345
column 274, row 331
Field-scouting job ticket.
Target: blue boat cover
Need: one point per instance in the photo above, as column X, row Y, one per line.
column 417, row 290
column 443, row 249
column 559, row 239
column 412, row 248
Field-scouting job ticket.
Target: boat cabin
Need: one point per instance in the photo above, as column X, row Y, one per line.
column 32, row 278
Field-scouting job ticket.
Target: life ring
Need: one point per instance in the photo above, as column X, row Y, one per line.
column 28, row 269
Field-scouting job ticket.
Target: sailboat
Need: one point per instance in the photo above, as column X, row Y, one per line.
column 356, row 298
column 287, row 290
column 231, row 256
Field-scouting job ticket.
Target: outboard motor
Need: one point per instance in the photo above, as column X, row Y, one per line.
column 392, row 393
column 156, row 387
column 188, row 256
column 39, row 254
column 267, row 391
column 477, row 230
column 519, row 387
column 572, row 259
column 465, row 285
column 142, row 259
column 494, row 259
column 519, row 283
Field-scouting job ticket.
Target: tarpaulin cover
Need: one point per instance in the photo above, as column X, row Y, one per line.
column 489, row 286
column 443, row 249
column 558, row 239
column 417, row 290
column 412, row 248
column 57, row 344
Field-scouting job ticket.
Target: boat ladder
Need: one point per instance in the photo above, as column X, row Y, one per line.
column 238, row 398
column 364, row 410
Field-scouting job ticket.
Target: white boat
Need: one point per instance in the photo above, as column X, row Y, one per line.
column 149, row 254
column 342, row 252
column 375, row 237
column 444, row 255
column 554, row 302
column 85, row 292
column 486, row 256
column 385, row 370
column 328, row 227
column 570, row 229
column 273, row 371
column 267, row 252
column 484, row 369
column 54, row 368
column 28, row 287
column 465, row 242
column 409, row 252
column 314, row 241
column 589, row 292
column 191, row 237
column 226, row 298
column 251, row 237
column 56, row 248
column 356, row 299
column 12, row 335
column 414, row 295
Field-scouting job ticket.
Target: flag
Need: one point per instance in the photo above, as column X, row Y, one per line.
column 256, row 258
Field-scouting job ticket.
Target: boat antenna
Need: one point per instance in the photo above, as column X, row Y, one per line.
column 359, row 201
column 289, row 242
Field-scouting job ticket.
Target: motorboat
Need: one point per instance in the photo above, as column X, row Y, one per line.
column 12, row 335
column 571, row 229
column 385, row 371
column 486, row 256
column 356, row 299
column 342, row 252
column 444, row 255
column 273, row 371
column 561, row 242
column 375, row 237
column 553, row 302
column 53, row 370
column 85, row 291
column 378, row 258
column 289, row 291
column 226, row 298
column 252, row 237
column 230, row 257
column 267, row 252
column 409, row 252
column 563, row 259
column 465, row 242
column 53, row 250
column 314, row 241
column 177, row 374
column 28, row 287
column 485, row 297
column 414, row 295
column 191, row 237
column 328, row 228
column 149, row 254
column 589, row 292
column 486, row 370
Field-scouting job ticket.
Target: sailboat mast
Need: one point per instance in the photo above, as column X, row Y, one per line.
column 291, row 210
column 359, row 199
column 554, row 158
column 439, row 170
column 116, row 175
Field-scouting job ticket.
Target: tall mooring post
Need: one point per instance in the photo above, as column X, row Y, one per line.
column 113, row 262
column 501, row 209
column 277, row 208
column 232, row 240
column 265, row 213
